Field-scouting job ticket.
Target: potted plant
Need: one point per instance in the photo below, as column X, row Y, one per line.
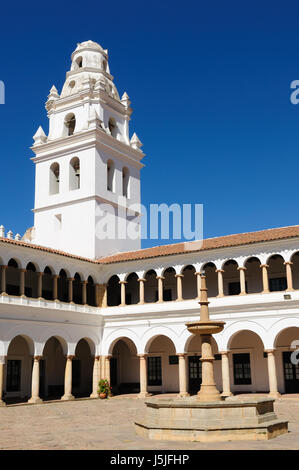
column 103, row 388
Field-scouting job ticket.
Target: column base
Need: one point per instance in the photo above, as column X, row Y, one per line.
column 2, row 403
column 35, row 400
column 4, row 294
column 274, row 395
column 227, row 394
column 67, row 397
column 220, row 295
column 183, row 395
column 144, row 395
column 94, row 395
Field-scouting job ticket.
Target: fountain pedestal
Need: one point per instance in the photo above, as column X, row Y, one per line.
column 206, row 417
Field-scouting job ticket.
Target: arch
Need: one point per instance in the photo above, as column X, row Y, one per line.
column 54, row 178
column 278, row 327
column 18, row 368
column 113, row 291
column 276, row 273
column 189, row 282
column 77, row 289
column 62, row 284
column 69, row 124
column 82, row 368
column 31, row 281
column 253, row 273
column 29, row 342
column 110, row 341
column 62, row 341
column 54, row 355
column 13, row 277
column 231, row 330
column 132, row 289
column 154, row 332
column 231, row 278
column 169, row 284
column 151, row 286
column 124, row 367
column 295, row 269
column 79, row 62
column 163, row 372
column 211, row 278
column 91, row 292
column 74, row 174
column 125, row 182
column 47, row 290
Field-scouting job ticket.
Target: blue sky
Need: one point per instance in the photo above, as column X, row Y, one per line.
column 210, row 88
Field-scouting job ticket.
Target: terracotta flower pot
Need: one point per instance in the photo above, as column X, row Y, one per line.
column 102, row 395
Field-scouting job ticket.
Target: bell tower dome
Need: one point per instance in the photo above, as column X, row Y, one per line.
column 87, row 167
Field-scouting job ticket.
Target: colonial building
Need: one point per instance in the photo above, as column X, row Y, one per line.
column 75, row 308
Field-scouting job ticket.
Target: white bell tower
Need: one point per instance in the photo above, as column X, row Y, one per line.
column 87, row 168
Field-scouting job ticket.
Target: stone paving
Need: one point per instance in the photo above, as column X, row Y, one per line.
column 108, row 424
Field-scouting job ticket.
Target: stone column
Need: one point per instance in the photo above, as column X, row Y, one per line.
column 3, row 279
column 160, row 288
column 208, row 390
column 35, row 381
column 141, row 291
column 198, row 283
column 220, row 282
column 242, row 270
column 70, row 279
column 68, row 380
column 288, row 265
column 265, row 278
column 272, row 373
column 2, row 368
column 22, row 282
column 123, row 293
column 225, row 374
column 183, row 376
column 143, row 377
column 179, row 287
column 95, row 377
column 40, row 285
column 107, row 368
column 55, row 287
column 84, row 292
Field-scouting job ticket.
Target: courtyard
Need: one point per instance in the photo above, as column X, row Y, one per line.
column 91, row 424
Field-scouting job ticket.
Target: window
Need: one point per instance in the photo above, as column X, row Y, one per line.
column 278, row 283
column 112, row 127
column 13, row 379
column 242, row 371
column 110, row 175
column 79, row 62
column 154, row 371
column 173, row 360
column 54, row 178
column 126, row 182
column 75, row 173
column 234, row 288
column 70, row 124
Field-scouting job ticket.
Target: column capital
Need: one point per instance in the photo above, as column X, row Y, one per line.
column 141, row 279
column 288, row 262
column 4, row 266
column 270, row 351
column 23, row 270
column 70, row 357
column 84, row 282
column 142, row 356
column 55, row 276
column 179, row 275
column 123, row 282
column 219, row 270
column 264, row 266
column 224, row 353
column 70, row 278
column 241, row 268
column 40, row 273
column 160, row 277
column 108, row 357
column 37, row 358
column 182, row 354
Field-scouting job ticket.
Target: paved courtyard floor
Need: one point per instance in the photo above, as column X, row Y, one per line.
column 108, row 424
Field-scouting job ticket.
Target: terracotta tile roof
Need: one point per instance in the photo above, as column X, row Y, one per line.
column 207, row 244
column 176, row 248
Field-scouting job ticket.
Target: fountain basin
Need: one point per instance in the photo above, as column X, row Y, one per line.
column 190, row 420
column 205, row 327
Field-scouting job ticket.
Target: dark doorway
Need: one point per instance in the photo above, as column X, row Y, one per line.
column 195, row 375
column 291, row 373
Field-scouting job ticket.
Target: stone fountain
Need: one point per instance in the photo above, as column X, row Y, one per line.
column 208, row 417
